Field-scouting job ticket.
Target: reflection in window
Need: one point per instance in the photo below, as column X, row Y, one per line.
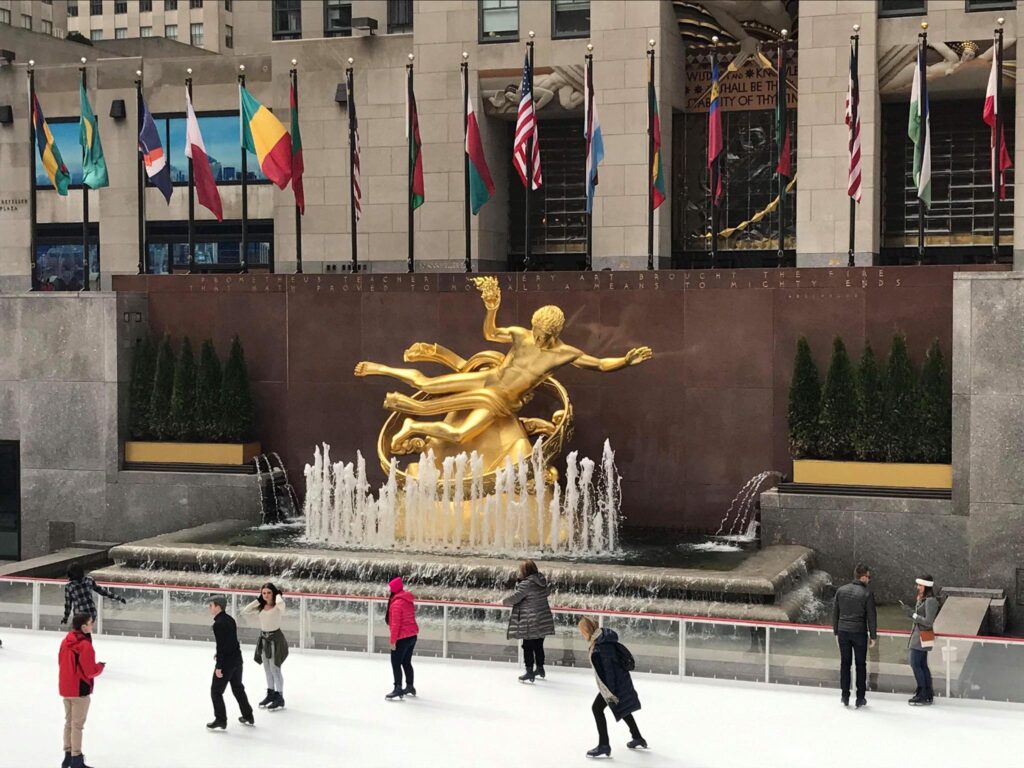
column 220, row 134
column 337, row 18
column 287, row 19
column 65, row 136
column 210, row 254
column 59, row 265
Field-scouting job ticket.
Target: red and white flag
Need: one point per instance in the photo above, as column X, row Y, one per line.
column 357, row 182
column 989, row 114
column 853, row 186
column 526, row 129
column 202, row 173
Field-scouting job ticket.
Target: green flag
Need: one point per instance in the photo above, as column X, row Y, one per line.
column 94, row 167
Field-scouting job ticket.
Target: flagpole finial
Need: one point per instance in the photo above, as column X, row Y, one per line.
column 138, row 73
column 295, row 62
column 590, row 47
column 714, row 39
column 241, row 68
column 189, row 71
column 856, row 27
column 465, row 56
column 31, row 62
column 924, row 25
column 532, row 34
column 83, row 60
column 1000, row 21
column 412, row 56
column 784, row 33
column 351, row 61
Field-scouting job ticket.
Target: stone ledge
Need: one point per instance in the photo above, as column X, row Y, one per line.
column 773, row 499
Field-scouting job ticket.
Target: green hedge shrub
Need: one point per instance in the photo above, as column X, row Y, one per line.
column 182, row 421
column 208, row 393
column 837, row 419
column 140, row 389
column 236, row 404
column 804, row 403
column 163, row 386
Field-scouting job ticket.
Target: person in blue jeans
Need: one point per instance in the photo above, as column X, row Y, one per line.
column 855, row 625
column 922, row 639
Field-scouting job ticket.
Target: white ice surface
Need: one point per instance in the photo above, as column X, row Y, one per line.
column 151, row 705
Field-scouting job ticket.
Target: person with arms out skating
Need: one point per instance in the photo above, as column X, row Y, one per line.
column 78, row 593
column 531, row 620
column 272, row 647
column 401, row 620
column 78, row 671
column 229, row 666
column 855, row 625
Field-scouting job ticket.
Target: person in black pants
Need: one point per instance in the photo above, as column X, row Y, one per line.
column 229, row 667
column 855, row 625
column 531, row 619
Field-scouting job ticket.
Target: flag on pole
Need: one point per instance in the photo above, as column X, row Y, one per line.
column 94, row 167
column 853, row 188
column 715, row 132
column 526, row 128
column 195, row 150
column 481, row 187
column 353, row 121
column 265, row 136
column 297, row 166
column 785, row 164
column 49, row 152
column 153, row 157
column 990, row 116
column 412, row 134
column 657, row 172
column 595, row 142
column 919, row 131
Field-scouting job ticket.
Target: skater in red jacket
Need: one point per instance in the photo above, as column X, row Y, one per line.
column 401, row 620
column 78, row 670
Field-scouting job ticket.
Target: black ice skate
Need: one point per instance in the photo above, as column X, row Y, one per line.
column 638, row 743
column 601, row 750
column 918, row 699
column 410, row 690
column 397, row 693
column 540, row 672
column 247, row 720
column 215, row 724
column 529, row 677
column 862, row 702
column 268, row 698
column 277, row 703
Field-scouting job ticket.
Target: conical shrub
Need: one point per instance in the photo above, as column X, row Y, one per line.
column 208, row 394
column 163, row 386
column 936, row 410
column 837, row 421
column 872, row 430
column 140, row 390
column 236, row 404
column 183, row 395
column 901, row 404
column 804, row 403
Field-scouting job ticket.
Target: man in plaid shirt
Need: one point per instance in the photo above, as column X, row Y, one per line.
column 78, row 593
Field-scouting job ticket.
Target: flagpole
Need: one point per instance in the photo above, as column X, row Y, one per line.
column 529, row 161
column 922, row 50
column 243, row 251
column 465, row 159
column 650, row 163
column 997, row 171
column 716, row 170
column 780, row 95
column 140, row 181
column 294, row 72
column 32, row 172
column 86, row 271
column 350, row 82
column 588, row 137
column 410, row 139
column 854, row 109
column 191, row 203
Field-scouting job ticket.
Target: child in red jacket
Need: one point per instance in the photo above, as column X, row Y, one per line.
column 78, row 670
column 401, row 620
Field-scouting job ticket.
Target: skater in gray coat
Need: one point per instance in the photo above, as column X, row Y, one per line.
column 922, row 638
column 531, row 620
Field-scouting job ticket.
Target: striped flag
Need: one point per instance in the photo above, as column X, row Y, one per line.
column 595, row 142
column 357, row 190
column 481, row 187
column 989, row 114
column 785, row 164
column 265, row 136
column 526, row 128
column 153, row 157
column 715, row 145
column 49, row 152
column 919, row 131
column 853, row 188
column 657, row 171
column 94, row 167
column 195, row 150
column 417, row 193
column 297, row 165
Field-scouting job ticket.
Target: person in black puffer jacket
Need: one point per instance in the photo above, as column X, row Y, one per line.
column 612, row 663
column 531, row 620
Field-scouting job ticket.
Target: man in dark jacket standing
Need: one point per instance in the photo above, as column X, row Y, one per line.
column 854, row 620
column 229, row 666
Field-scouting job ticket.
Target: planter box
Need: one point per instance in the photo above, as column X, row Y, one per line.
column 222, row 454
column 882, row 474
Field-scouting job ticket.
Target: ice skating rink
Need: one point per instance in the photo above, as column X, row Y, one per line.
column 152, row 703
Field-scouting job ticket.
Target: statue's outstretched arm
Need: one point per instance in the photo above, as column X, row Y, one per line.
column 491, row 295
column 635, row 356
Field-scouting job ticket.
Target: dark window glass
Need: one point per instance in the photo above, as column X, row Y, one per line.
column 220, row 135
column 95, row 7
column 499, row 20
column 287, row 19
column 991, row 5
column 218, row 245
column 195, row 3
column 121, row 6
column 961, row 211
column 229, row 36
column 72, row 9
column 337, row 18
column 5, row 16
column 10, row 500
column 902, row 7
column 227, row 5
column 26, row 21
column 170, row 5
column 145, row 6
column 570, row 18
column 59, row 264
column 399, row 16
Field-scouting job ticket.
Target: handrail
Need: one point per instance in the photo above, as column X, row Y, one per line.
column 500, row 606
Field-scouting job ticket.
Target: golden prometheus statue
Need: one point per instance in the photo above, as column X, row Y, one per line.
column 480, row 401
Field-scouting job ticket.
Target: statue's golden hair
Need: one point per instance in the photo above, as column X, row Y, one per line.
column 549, row 319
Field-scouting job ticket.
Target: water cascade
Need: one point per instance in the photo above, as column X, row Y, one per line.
column 445, row 508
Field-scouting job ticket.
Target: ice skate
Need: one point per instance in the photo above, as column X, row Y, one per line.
column 410, row 690
column 268, row 698
column 529, row 677
column 277, row 703
column 215, row 724
column 862, row 702
column 246, row 720
column 601, row 750
column 397, row 693
column 638, row 743
column 540, row 672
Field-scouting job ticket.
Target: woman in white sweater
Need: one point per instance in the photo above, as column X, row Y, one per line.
column 272, row 647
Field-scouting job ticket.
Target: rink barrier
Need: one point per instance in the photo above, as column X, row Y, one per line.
column 695, row 656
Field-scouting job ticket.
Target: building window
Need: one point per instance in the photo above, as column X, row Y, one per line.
column 121, row 6
column 570, row 18
column 991, row 5
column 96, row 34
column 47, row 27
column 229, row 36
column 902, row 7
column 145, row 31
column 337, row 18
column 95, row 7
column 170, row 5
column 195, row 3
column 171, row 31
column 59, row 257
column 26, row 21
column 72, row 8
column 5, row 16
column 499, row 20
column 120, row 33
column 145, row 6
column 287, row 23
column 399, row 16
column 196, row 35
column 227, row 6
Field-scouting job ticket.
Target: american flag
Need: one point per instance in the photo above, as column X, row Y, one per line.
column 526, row 128
column 357, row 191
column 853, row 187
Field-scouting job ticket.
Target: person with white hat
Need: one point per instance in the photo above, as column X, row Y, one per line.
column 922, row 638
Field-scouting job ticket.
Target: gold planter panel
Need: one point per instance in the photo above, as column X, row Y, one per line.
column 882, row 474
column 190, row 453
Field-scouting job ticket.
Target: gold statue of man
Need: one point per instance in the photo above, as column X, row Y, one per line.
column 493, row 393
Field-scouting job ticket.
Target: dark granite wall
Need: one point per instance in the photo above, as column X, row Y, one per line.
column 689, row 427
